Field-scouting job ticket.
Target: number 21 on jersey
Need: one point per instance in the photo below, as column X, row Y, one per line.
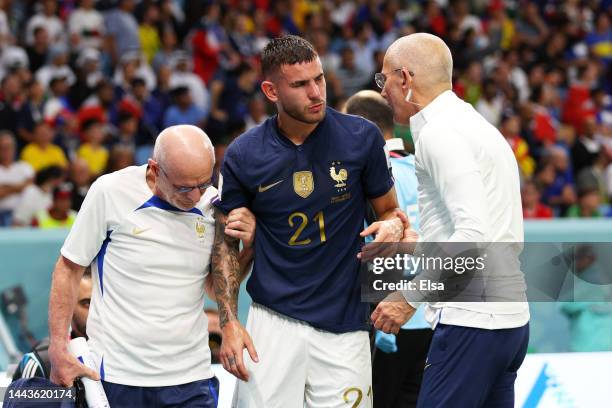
column 299, row 220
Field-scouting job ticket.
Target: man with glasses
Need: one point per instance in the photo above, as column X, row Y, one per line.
column 149, row 233
column 468, row 192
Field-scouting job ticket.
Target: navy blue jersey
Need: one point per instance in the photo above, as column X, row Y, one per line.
column 310, row 203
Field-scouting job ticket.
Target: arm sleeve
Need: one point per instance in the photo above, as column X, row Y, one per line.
column 90, row 228
column 376, row 177
column 451, row 164
column 234, row 193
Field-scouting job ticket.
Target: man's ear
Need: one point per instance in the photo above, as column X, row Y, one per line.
column 269, row 90
column 406, row 78
column 153, row 165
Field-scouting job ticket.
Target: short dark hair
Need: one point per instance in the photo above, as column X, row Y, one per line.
column 286, row 50
column 48, row 173
column 373, row 109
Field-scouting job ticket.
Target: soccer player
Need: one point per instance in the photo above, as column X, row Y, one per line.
column 468, row 192
column 148, row 232
column 307, row 174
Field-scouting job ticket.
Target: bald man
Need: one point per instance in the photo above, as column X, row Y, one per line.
column 468, row 192
column 148, row 232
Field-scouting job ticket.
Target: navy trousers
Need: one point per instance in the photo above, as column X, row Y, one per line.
column 197, row 394
column 471, row 368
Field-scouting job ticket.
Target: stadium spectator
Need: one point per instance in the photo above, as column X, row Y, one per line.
column 229, row 95
column 56, row 66
column 57, row 110
column 148, row 33
column 92, row 150
column 86, row 26
column 15, row 176
column 560, row 194
column 46, row 18
column 532, row 207
column 598, row 40
column 183, row 109
column 38, row 196
column 491, row 104
column 578, row 103
column 38, row 51
column 88, row 74
column 79, row 181
column 182, row 75
column 127, row 129
column 151, row 121
column 210, row 45
column 241, row 39
column 167, row 47
column 589, row 198
column 352, row 76
column 257, row 112
column 510, row 129
column 32, row 111
column 41, row 152
column 586, row 148
column 59, row 214
column 120, row 157
column 11, row 103
column 121, row 30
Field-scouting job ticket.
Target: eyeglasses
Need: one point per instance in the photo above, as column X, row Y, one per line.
column 183, row 189
column 381, row 78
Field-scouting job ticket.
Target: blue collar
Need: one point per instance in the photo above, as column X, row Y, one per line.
column 157, row 202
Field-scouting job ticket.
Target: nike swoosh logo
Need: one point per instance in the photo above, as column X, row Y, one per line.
column 426, row 365
column 138, row 231
column 269, row 186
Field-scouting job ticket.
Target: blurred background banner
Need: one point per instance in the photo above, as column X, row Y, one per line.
column 564, row 380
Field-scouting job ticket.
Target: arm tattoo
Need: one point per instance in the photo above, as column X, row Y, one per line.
column 225, row 271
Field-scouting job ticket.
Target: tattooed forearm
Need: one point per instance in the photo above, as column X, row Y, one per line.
column 225, row 271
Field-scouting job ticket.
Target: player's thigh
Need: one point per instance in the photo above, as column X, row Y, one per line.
column 340, row 370
column 278, row 379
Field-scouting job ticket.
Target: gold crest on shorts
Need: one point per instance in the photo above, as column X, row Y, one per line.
column 303, row 183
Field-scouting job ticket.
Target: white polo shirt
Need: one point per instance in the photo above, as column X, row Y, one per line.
column 146, row 322
column 468, row 192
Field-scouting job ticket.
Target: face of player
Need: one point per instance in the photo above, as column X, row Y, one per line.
column 300, row 90
column 81, row 310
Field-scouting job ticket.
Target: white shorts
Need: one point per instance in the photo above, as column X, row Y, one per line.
column 300, row 366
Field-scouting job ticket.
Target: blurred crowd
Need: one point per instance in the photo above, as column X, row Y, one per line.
column 86, row 85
